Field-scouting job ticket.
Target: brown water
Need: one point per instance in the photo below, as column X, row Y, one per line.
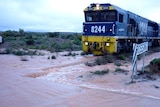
column 67, row 82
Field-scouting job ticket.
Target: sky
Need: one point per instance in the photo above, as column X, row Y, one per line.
column 63, row 15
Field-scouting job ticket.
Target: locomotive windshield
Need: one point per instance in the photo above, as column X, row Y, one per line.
column 108, row 16
column 92, row 16
column 100, row 16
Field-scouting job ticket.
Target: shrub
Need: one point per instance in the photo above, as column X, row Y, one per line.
column 79, row 36
column 121, row 70
column 56, row 46
column 90, row 64
column 155, row 65
column 9, row 51
column 51, row 41
column 71, row 54
column 74, row 54
column 77, row 41
column 24, row 59
column 118, row 64
column 122, row 57
column 101, row 72
column 31, row 52
column 66, row 46
column 53, row 57
column 30, row 40
column 118, row 69
column 83, row 53
column 139, row 57
column 55, row 34
column 155, row 62
column 67, row 36
column 44, row 46
column 19, row 53
column 109, row 58
column 8, row 33
column 100, row 61
column 61, row 46
column 104, row 60
column 81, row 76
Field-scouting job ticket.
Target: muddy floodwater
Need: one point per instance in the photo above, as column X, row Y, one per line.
column 66, row 81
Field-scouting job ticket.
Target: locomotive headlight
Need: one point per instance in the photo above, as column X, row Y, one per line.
column 107, row 44
column 86, row 43
column 97, row 6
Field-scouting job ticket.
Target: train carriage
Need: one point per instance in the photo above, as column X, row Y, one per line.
column 110, row 29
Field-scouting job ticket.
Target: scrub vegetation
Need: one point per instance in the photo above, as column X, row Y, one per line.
column 155, row 65
column 101, row 60
column 19, row 42
column 101, row 72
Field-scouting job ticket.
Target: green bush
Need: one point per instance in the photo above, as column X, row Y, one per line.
column 68, row 36
column 8, row 33
column 56, row 46
column 100, row 61
column 101, row 72
column 122, row 57
column 31, row 52
column 30, row 40
column 66, row 46
column 121, row 70
column 23, row 52
column 104, row 60
column 77, row 41
column 155, row 62
column 19, row 53
column 55, row 34
column 109, row 58
column 118, row 69
column 79, row 36
column 44, row 46
column 9, row 51
column 117, row 64
column 52, row 41
column 155, row 65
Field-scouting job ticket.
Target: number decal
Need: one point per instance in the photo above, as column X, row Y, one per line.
column 103, row 29
column 92, row 29
column 98, row 29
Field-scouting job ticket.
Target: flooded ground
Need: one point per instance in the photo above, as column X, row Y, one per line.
column 67, row 82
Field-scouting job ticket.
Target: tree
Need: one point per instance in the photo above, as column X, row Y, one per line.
column 21, row 32
column 7, row 33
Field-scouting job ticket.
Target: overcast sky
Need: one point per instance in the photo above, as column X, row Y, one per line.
column 63, row 15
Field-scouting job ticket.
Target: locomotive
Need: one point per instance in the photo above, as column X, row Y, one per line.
column 111, row 29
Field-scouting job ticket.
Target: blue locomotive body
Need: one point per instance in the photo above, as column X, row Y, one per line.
column 108, row 28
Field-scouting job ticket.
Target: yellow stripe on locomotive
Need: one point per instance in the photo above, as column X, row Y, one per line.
column 99, row 44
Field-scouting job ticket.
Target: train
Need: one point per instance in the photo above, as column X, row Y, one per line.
column 110, row 29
